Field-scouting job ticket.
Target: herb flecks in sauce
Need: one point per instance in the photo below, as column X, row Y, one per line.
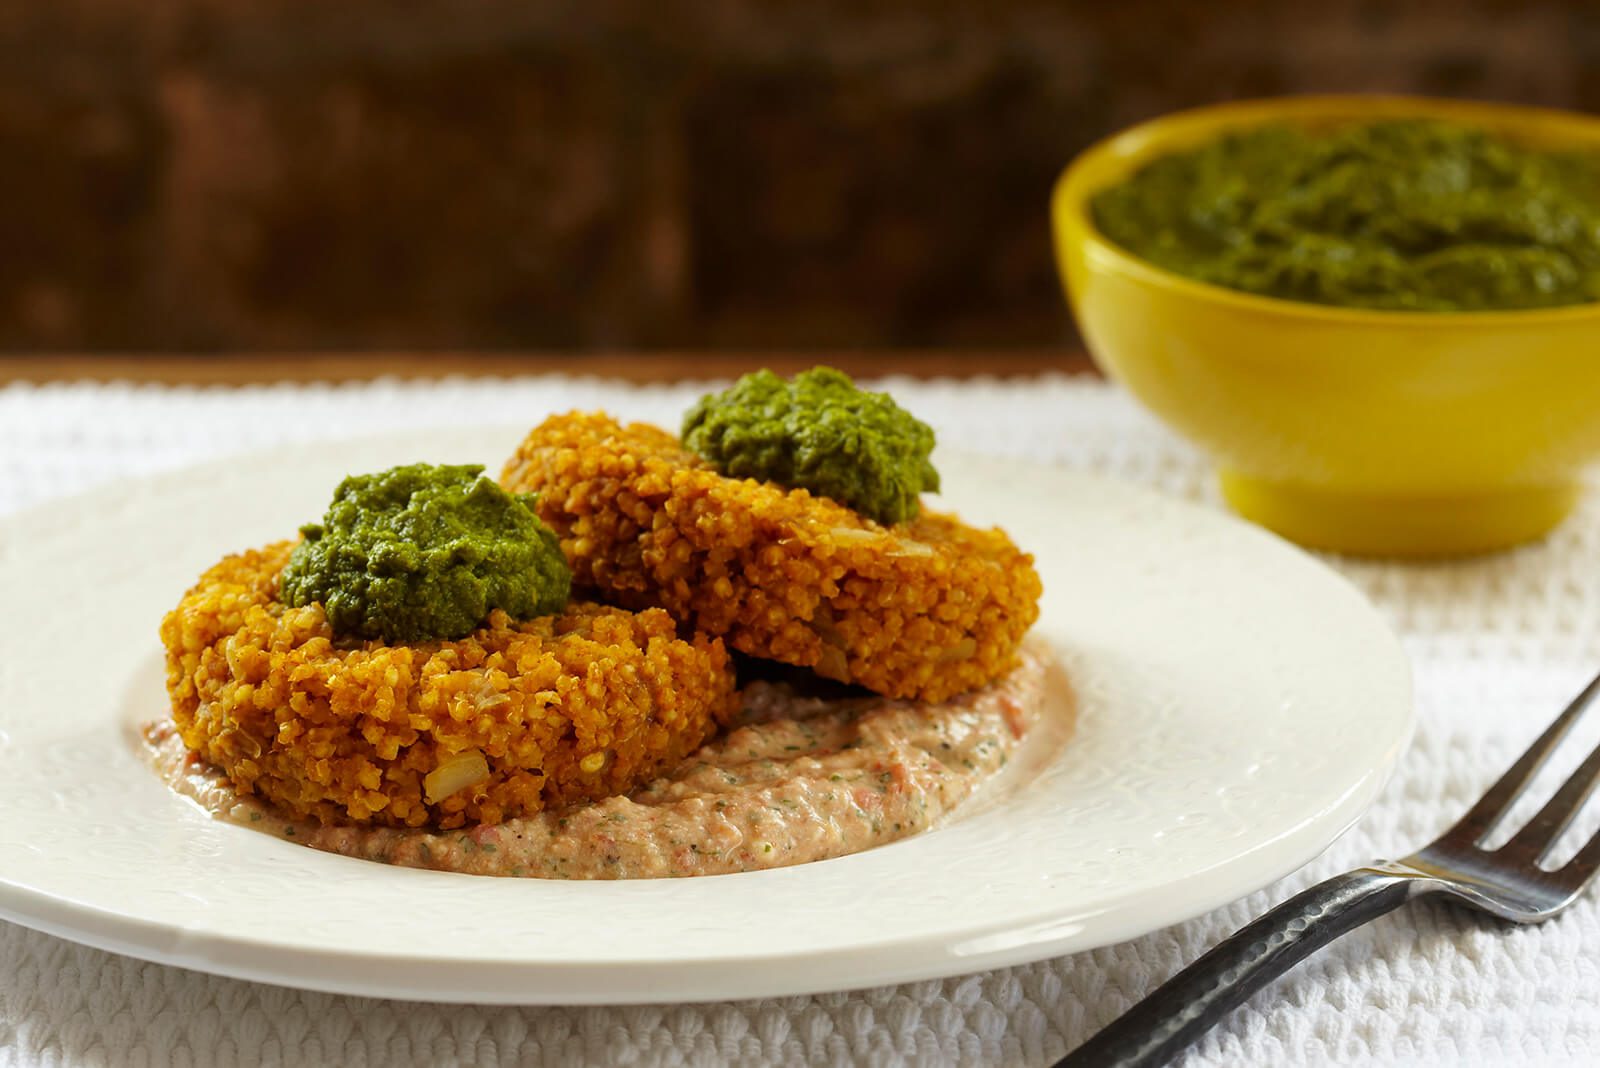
column 421, row 552
column 1409, row 215
column 820, row 433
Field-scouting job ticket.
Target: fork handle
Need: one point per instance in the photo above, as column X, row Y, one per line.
column 1188, row 1004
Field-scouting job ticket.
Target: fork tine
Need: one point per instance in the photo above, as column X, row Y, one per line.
column 1557, row 815
column 1484, row 816
column 1583, row 865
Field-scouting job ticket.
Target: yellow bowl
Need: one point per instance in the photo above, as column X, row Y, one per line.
column 1374, row 432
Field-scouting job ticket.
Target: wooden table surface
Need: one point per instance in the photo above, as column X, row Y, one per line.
column 246, row 369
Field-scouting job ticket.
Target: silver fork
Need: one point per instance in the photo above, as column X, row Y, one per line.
column 1506, row 881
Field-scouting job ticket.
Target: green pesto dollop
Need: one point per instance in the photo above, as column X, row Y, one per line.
column 1413, row 215
column 820, row 433
column 423, row 552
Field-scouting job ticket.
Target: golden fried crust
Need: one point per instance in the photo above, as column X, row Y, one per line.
column 574, row 707
column 925, row 609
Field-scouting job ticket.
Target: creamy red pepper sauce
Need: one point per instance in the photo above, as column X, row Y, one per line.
column 797, row 779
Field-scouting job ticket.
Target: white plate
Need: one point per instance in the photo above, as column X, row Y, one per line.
column 1239, row 707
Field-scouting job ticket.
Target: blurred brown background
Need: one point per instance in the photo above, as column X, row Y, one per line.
column 196, row 175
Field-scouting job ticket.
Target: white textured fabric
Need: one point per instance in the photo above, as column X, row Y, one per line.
column 1498, row 645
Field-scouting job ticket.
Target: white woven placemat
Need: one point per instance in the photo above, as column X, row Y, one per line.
column 1498, row 645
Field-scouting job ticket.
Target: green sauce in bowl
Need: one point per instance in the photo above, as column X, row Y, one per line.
column 1406, row 215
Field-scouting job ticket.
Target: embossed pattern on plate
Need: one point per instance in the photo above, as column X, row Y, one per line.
column 1238, row 707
